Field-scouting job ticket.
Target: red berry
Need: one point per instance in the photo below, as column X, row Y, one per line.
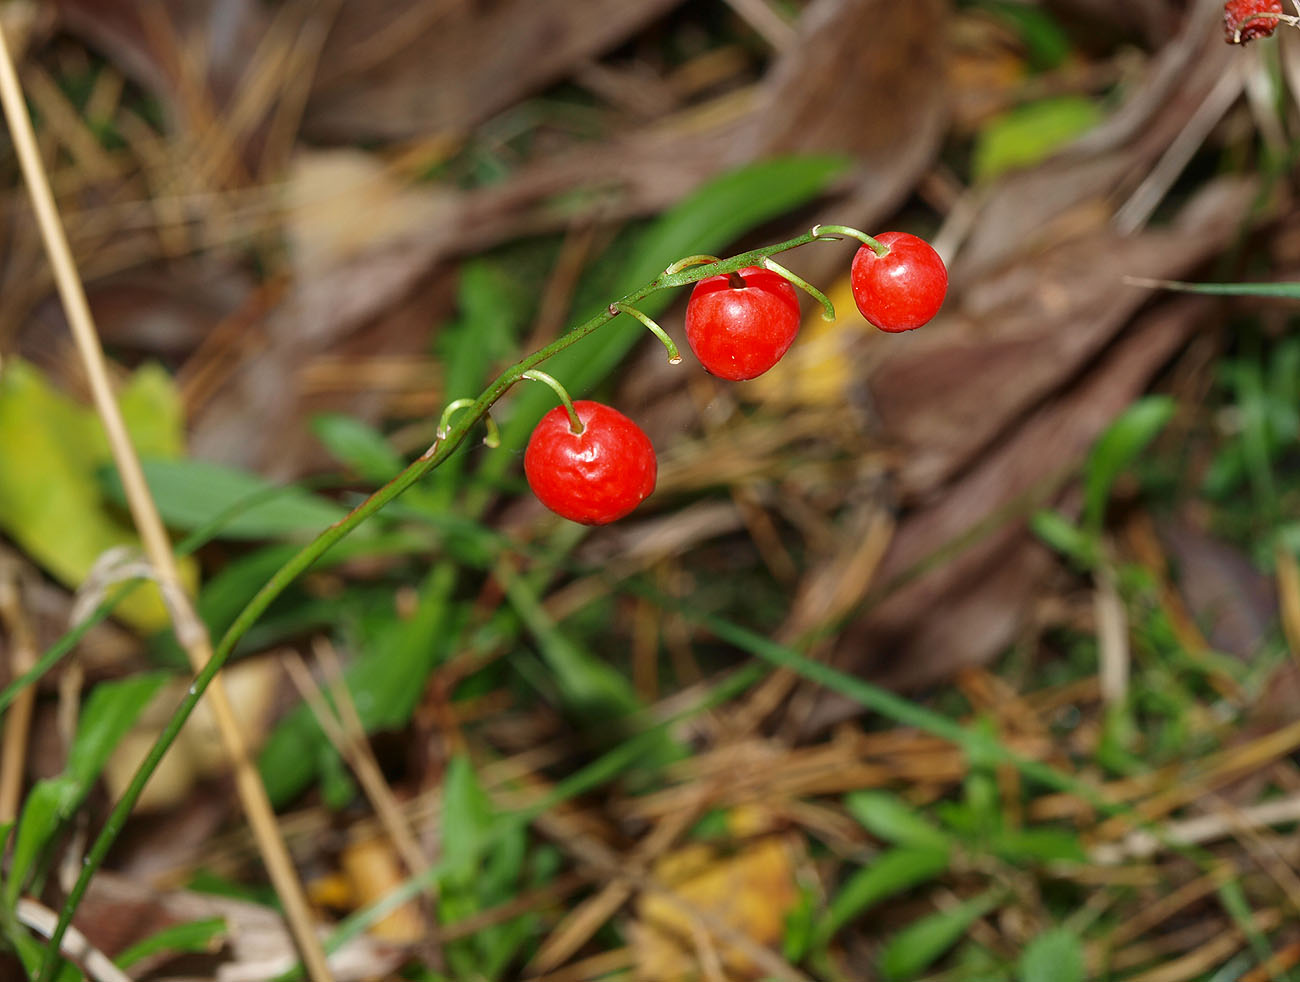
column 1241, row 22
column 902, row 289
column 740, row 331
column 593, row 477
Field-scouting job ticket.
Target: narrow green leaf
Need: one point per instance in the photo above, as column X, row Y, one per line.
column 888, row 874
column 111, row 710
column 800, row 928
column 194, row 937
column 1117, row 449
column 357, row 445
column 918, row 945
column 47, row 804
column 1023, row 846
column 888, row 817
column 1285, row 291
column 1061, row 534
column 589, row 684
column 31, row 953
column 191, row 493
column 1055, row 956
column 466, row 823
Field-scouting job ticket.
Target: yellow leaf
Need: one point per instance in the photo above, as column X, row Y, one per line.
column 817, row 369
column 751, row 890
column 50, row 502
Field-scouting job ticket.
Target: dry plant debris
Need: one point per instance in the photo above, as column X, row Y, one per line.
column 305, row 227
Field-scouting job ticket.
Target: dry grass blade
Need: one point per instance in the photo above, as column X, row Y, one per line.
column 22, row 656
column 190, row 631
column 1211, row 954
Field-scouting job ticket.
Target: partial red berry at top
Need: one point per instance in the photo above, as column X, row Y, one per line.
column 739, row 328
column 1242, row 23
column 902, row 289
column 593, row 477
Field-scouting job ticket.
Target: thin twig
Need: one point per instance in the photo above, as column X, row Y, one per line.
column 190, row 631
column 361, row 760
column 22, row 656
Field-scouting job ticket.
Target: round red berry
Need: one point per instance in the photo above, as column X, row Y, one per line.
column 902, row 289
column 1242, row 21
column 740, row 327
column 593, row 477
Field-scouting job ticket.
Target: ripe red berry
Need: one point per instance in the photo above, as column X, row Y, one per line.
column 740, row 328
column 1241, row 22
column 902, row 289
column 593, row 477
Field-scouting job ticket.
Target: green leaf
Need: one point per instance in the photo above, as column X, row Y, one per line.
column 1055, row 956
column 800, row 928
column 1031, row 133
column 1061, row 534
column 47, row 804
column 193, row 493
column 1117, row 449
column 1024, row 846
column 589, row 685
column 111, row 710
column 888, row 817
column 918, row 945
column 888, row 874
column 358, row 446
column 51, row 506
column 195, row 937
column 32, row 954
column 466, row 819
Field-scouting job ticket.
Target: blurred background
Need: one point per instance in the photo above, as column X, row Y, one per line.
column 1060, row 520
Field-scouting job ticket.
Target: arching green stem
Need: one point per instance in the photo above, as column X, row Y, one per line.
column 575, row 424
column 674, row 356
column 828, row 308
column 442, row 448
column 821, row 231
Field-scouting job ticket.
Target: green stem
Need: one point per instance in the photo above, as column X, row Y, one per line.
column 536, row 375
column 828, row 308
column 820, row 231
column 674, row 356
column 676, row 275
